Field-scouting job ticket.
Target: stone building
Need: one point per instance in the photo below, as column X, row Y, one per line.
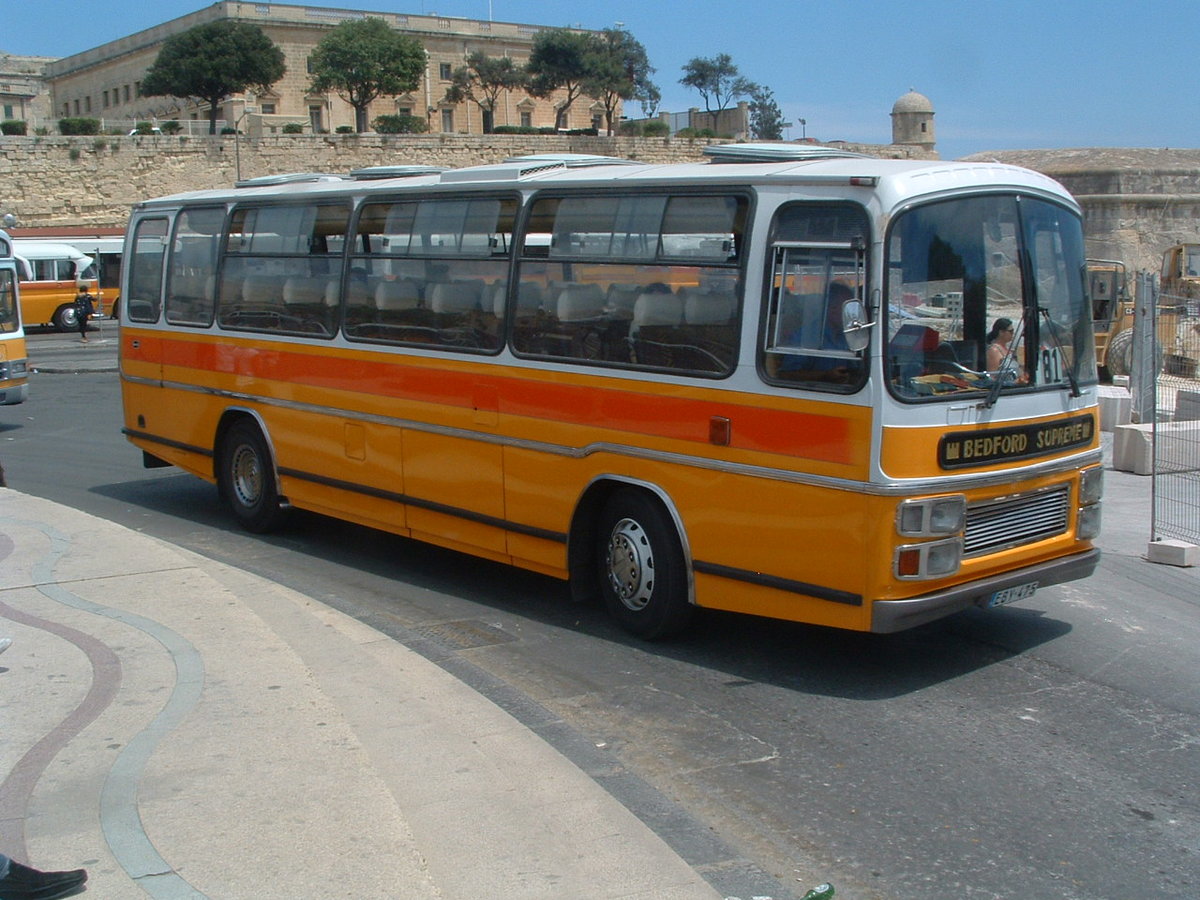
column 23, row 93
column 105, row 82
column 912, row 121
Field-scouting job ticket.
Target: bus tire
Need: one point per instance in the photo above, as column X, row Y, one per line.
column 639, row 558
column 65, row 318
column 247, row 479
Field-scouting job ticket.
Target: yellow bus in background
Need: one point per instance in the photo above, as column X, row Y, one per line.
column 756, row 384
column 50, row 274
column 14, row 360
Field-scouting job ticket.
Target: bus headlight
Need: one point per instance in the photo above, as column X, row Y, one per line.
column 1091, row 485
column 933, row 559
column 932, row 516
column 1087, row 525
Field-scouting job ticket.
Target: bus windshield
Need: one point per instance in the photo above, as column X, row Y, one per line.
column 986, row 294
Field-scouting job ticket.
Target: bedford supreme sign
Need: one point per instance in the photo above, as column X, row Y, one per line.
column 974, row 448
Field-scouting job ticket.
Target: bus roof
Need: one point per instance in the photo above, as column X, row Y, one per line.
column 28, row 249
column 893, row 181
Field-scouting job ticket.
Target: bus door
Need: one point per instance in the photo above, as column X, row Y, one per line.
column 141, row 349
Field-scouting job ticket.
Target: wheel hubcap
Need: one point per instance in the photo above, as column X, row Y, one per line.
column 247, row 475
column 630, row 563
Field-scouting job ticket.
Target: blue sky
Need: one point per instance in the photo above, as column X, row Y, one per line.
column 1002, row 74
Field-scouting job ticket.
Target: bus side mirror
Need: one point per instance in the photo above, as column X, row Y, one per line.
column 855, row 326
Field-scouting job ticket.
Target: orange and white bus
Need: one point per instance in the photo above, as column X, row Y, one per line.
column 51, row 273
column 757, row 383
column 14, row 361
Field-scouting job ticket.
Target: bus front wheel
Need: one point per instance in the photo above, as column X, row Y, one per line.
column 65, row 318
column 247, row 479
column 642, row 570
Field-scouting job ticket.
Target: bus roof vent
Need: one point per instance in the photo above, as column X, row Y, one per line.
column 572, row 160
column 291, row 178
column 517, row 167
column 374, row 173
column 768, row 153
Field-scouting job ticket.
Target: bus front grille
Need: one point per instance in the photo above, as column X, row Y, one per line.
column 1013, row 521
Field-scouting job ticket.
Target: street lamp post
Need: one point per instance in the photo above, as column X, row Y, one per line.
column 237, row 137
column 803, row 130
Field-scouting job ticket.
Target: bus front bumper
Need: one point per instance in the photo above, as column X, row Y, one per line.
column 888, row 616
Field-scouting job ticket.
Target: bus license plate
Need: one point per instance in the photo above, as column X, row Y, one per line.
column 1011, row 595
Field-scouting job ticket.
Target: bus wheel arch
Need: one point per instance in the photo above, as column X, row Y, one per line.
column 247, row 479
column 628, row 546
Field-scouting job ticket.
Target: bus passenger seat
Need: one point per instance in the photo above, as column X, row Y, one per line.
column 577, row 302
column 392, row 297
column 262, row 291
column 708, row 309
column 453, row 296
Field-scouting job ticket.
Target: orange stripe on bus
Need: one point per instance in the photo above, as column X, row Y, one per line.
column 652, row 413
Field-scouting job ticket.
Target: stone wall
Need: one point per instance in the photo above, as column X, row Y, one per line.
column 93, row 181
column 1136, row 202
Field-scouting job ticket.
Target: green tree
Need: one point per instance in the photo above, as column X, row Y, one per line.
column 211, row 62
column 617, row 69
column 717, row 80
column 482, row 80
column 362, row 59
column 559, row 61
column 766, row 119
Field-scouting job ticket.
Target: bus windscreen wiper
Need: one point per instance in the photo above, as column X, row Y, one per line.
column 1058, row 345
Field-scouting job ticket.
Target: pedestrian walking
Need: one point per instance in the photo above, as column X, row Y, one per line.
column 85, row 307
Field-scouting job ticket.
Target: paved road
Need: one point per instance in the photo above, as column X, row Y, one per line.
column 1047, row 750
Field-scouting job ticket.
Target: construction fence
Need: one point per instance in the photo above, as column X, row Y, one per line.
column 1165, row 382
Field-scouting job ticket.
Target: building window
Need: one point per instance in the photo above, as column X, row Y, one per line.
column 105, row 99
column 66, row 109
column 76, row 107
column 447, row 120
column 308, row 66
column 268, row 109
column 526, row 120
column 87, row 103
column 137, row 89
column 314, row 119
column 445, row 71
column 126, row 93
column 404, row 110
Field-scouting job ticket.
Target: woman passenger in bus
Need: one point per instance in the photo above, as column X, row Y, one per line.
column 1000, row 358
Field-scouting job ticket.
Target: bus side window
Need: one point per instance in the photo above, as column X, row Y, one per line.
column 144, row 297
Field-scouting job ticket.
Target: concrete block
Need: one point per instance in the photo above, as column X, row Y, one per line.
column 1133, row 449
column 1173, row 553
column 1178, row 447
column 1187, row 406
column 1116, row 404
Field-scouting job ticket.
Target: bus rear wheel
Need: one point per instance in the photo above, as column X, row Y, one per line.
column 65, row 318
column 247, row 479
column 643, row 575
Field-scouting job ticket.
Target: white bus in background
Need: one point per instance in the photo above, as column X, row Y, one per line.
column 50, row 273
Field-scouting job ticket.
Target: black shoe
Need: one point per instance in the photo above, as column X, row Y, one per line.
column 24, row 883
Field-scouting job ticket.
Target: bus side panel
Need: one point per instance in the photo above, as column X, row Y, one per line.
column 338, row 467
column 41, row 299
column 771, row 540
column 455, row 490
